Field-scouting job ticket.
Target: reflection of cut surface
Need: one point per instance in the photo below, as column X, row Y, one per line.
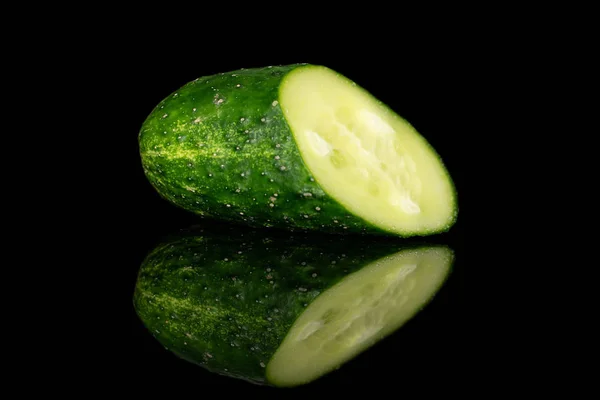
column 382, row 296
column 309, row 329
column 373, row 306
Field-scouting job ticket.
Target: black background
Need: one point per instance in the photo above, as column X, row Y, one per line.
column 425, row 84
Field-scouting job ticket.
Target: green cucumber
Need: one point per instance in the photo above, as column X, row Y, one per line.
column 296, row 147
column 282, row 310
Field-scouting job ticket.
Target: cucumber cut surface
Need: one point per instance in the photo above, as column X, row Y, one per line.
column 364, row 155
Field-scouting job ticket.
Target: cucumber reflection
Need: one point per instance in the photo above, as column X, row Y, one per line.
column 280, row 308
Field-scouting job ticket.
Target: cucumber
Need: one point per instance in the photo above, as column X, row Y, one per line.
column 282, row 310
column 296, row 147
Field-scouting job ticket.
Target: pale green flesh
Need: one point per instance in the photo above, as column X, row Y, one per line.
column 357, row 312
column 364, row 155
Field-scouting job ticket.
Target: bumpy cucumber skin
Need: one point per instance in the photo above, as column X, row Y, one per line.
column 220, row 147
column 226, row 301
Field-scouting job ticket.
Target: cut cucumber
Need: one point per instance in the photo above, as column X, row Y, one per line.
column 296, row 147
column 280, row 310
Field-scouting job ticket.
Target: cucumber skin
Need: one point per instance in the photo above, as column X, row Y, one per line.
column 187, row 293
column 194, row 149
